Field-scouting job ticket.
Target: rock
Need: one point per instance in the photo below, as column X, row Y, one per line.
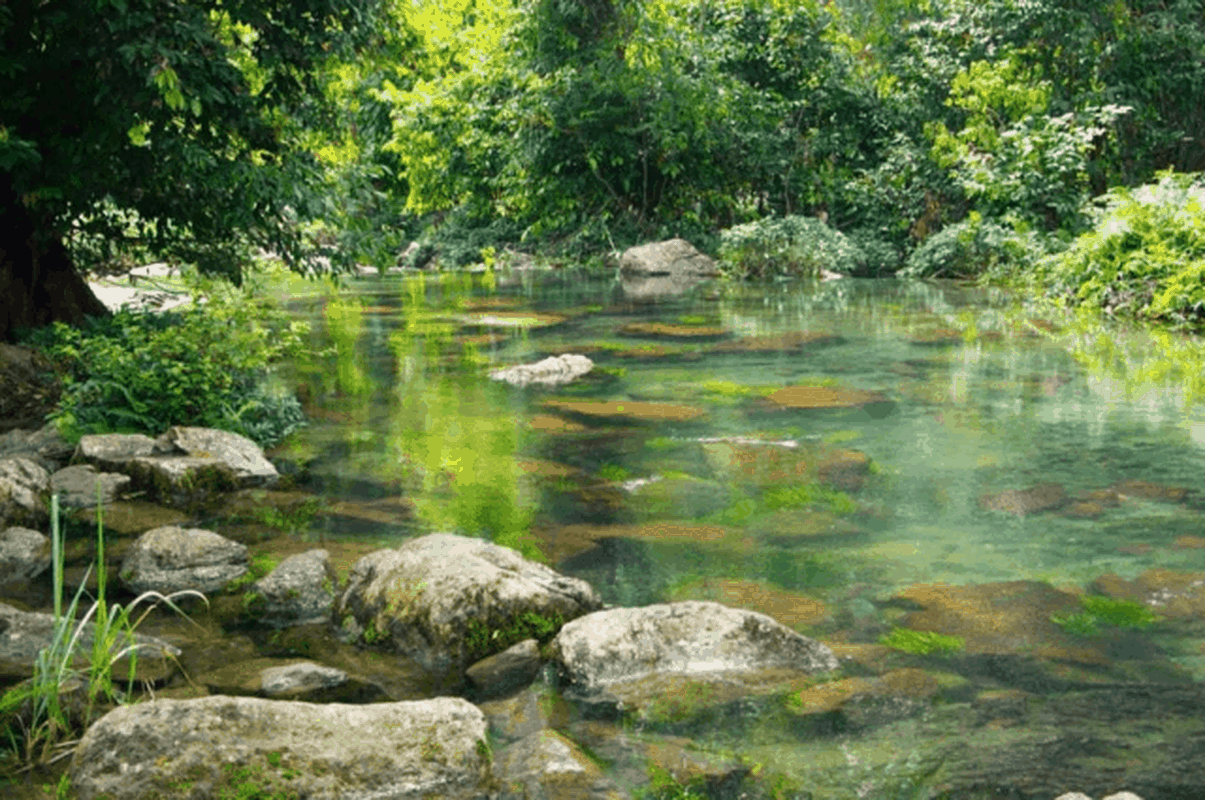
column 679, row 497
column 171, row 559
column 634, row 658
column 112, row 451
column 788, row 463
column 790, row 527
column 79, row 486
column 448, row 601
column 790, row 341
column 502, row 673
column 552, row 371
column 218, row 746
column 626, row 411
column 291, row 680
column 25, row 634
column 545, row 765
column 24, row 555
column 789, row 608
column 661, row 330
column 242, row 456
column 1168, row 593
column 828, row 397
column 1145, row 490
column 676, row 258
column 46, row 446
column 1019, row 502
column 300, row 591
column 31, row 387
column 535, row 708
column 24, row 490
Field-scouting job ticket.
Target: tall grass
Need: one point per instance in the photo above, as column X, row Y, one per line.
column 37, row 726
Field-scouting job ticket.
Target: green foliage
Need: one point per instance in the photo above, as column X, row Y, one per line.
column 136, row 372
column 1100, row 611
column 484, row 638
column 922, row 643
column 978, row 247
column 663, row 786
column 183, row 126
column 261, row 565
column 793, row 245
column 1145, row 256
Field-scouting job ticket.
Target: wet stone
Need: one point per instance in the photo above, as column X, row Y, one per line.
column 626, row 411
column 1020, row 502
column 80, row 486
column 807, row 398
column 24, row 555
column 502, row 673
column 172, row 559
column 300, row 591
column 660, row 330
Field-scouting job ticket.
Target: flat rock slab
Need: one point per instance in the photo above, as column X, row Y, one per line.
column 111, row 451
column 242, row 456
column 634, row 657
column 209, row 747
column 448, row 601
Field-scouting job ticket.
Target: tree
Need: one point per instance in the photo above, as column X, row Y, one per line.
column 181, row 125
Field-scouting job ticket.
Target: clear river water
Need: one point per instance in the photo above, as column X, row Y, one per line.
column 810, row 450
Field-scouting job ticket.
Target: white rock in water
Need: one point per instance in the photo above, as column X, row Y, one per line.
column 552, row 371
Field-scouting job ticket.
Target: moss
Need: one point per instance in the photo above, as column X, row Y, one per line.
column 922, row 643
column 1100, row 611
column 483, row 639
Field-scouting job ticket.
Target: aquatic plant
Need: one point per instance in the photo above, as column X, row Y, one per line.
column 922, row 643
column 1105, row 611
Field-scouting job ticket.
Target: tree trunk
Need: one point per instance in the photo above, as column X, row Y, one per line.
column 38, row 281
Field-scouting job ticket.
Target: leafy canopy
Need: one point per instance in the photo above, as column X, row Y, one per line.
column 180, row 125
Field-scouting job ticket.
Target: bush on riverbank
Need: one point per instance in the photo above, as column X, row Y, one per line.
column 1145, row 256
column 206, row 366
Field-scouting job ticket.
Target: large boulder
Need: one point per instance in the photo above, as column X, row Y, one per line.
column 448, row 601
column 172, row 559
column 223, row 746
column 673, row 258
column 636, row 658
column 24, row 489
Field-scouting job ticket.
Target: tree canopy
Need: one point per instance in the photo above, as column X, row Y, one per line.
column 179, row 124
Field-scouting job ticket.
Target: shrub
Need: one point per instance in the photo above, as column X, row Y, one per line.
column 787, row 246
column 978, row 247
column 1145, row 256
column 208, row 365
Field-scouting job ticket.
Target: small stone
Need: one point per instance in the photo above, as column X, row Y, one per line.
column 501, row 673
column 24, row 555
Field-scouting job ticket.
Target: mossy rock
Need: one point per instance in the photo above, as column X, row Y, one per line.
column 792, row 341
column 626, row 411
column 660, row 330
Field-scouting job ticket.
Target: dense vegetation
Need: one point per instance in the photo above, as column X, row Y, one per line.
column 933, row 137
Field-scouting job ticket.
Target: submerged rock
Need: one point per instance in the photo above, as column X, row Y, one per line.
column 1019, row 502
column 448, row 601
column 214, row 746
column 545, row 765
column 661, row 330
column 171, row 559
column 626, row 411
column 829, row 397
